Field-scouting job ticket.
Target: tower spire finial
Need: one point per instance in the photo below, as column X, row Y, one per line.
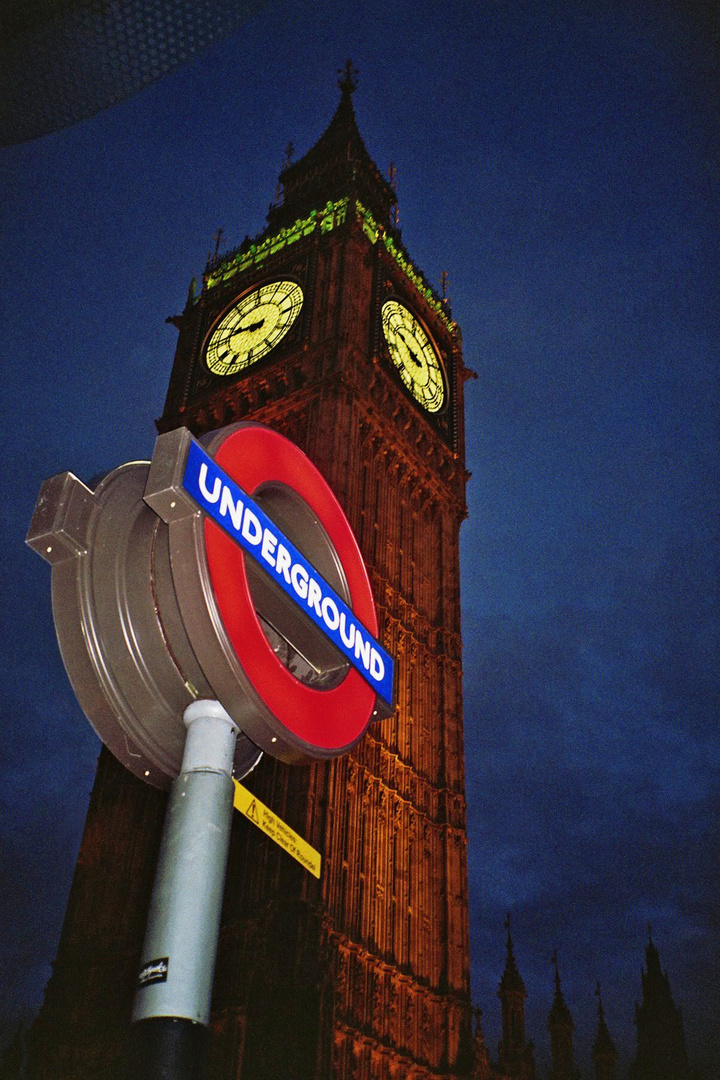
column 557, row 970
column 287, row 162
column 603, row 1050
column 392, row 177
column 514, row 1052
column 348, row 81
column 212, row 259
column 511, row 979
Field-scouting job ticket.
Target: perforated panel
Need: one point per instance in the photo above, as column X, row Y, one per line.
column 63, row 61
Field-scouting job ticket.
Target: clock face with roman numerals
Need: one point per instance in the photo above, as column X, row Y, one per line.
column 253, row 326
column 414, row 355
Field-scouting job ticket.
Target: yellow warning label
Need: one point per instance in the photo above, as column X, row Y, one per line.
column 276, row 829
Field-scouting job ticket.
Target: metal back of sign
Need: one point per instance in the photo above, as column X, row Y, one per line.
column 116, row 617
column 156, row 604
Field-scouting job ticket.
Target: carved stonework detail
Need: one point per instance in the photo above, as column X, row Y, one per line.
column 378, row 1002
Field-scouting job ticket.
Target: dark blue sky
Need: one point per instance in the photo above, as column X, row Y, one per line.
column 560, row 161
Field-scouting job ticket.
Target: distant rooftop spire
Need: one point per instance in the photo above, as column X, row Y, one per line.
column 661, row 1051
column 652, row 957
column 602, row 1026
column 561, row 1027
column 348, row 82
column 515, row 1053
column 511, row 979
column 559, row 1013
column 603, row 1050
column 603, row 1035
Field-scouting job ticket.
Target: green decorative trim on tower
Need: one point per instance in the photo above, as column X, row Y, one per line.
column 328, row 218
column 369, row 224
column 374, row 233
column 331, row 215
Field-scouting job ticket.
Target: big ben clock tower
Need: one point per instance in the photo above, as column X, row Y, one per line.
column 322, row 328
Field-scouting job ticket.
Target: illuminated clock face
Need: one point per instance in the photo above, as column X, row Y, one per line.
column 253, row 327
column 414, row 355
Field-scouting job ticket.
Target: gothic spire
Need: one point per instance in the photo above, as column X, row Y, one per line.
column 348, row 82
column 661, row 1053
column 511, row 979
column 603, row 1051
column 337, row 166
column 559, row 1012
column 515, row 1053
column 561, row 1027
column 602, row 1026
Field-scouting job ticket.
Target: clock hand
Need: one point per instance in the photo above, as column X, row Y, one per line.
column 408, row 346
column 252, row 327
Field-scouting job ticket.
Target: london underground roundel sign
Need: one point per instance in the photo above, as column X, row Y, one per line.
column 298, row 623
column 225, row 568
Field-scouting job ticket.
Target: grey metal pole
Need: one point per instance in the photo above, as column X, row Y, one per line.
column 172, row 1000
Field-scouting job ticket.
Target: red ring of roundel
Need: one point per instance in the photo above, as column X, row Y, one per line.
column 327, row 719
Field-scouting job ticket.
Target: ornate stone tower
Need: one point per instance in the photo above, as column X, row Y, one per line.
column 561, row 1028
column 515, row 1054
column 322, row 328
column 661, row 1053
column 603, row 1050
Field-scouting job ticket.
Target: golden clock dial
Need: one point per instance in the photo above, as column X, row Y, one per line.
column 414, row 355
column 253, row 326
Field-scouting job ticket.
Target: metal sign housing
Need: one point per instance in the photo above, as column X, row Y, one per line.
column 156, row 605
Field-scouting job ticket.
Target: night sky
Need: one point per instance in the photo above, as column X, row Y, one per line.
column 560, row 161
